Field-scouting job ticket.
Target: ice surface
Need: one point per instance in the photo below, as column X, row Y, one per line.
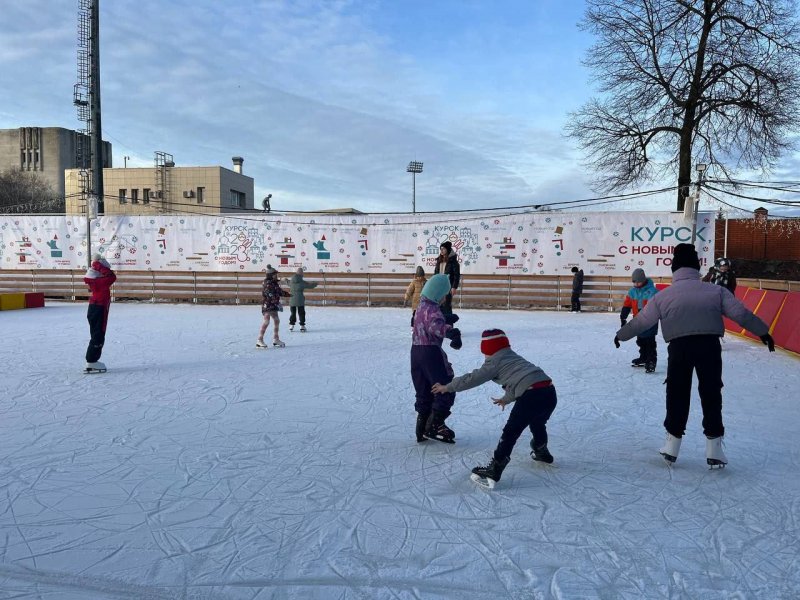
column 200, row 467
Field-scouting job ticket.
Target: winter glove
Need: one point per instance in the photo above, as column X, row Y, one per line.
column 451, row 319
column 768, row 342
column 616, row 341
column 454, row 335
column 623, row 321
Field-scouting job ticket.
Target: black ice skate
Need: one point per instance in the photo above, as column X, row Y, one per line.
column 637, row 362
column 422, row 423
column 650, row 367
column 541, row 454
column 437, row 430
column 489, row 475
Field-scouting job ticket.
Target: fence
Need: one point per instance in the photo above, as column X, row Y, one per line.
column 356, row 289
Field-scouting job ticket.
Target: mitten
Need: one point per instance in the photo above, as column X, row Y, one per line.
column 451, row 319
column 454, row 335
column 768, row 341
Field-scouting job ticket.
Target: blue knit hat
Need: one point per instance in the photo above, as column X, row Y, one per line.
column 436, row 288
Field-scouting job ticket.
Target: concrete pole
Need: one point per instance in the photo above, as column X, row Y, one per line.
column 94, row 98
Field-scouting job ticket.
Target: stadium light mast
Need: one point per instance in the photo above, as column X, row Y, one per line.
column 414, row 167
column 701, row 170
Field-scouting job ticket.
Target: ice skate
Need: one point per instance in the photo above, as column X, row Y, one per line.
column 715, row 457
column 489, row 475
column 95, row 367
column 278, row 343
column 670, row 449
column 303, row 328
column 422, row 423
column 541, row 454
column 261, row 343
column 650, row 367
column 437, row 430
column 637, row 362
column 291, row 327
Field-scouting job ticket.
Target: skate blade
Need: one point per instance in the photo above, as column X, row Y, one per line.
column 484, row 482
column 713, row 464
column 669, row 459
column 441, row 439
column 91, row 371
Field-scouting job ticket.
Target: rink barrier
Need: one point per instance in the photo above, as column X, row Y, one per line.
column 785, row 329
column 12, row 301
column 517, row 291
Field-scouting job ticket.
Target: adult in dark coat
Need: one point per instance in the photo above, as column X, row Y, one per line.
column 577, row 289
column 447, row 264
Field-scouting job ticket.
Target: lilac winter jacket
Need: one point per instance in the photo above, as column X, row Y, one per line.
column 692, row 307
column 429, row 324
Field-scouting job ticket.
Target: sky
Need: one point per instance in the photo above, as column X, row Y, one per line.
column 201, row 467
column 327, row 100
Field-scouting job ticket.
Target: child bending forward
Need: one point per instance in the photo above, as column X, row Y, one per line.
column 526, row 385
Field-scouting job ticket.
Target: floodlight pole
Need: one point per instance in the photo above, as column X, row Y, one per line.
column 701, row 169
column 414, row 167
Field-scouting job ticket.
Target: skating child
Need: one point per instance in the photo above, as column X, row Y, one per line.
column 297, row 304
column 414, row 290
column 270, row 307
column 642, row 291
column 429, row 363
column 99, row 277
column 526, row 385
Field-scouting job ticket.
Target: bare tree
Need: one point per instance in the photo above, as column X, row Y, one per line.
column 717, row 80
column 27, row 192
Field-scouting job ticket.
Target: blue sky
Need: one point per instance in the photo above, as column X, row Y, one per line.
column 327, row 101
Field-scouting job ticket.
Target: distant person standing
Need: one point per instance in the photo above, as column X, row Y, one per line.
column 577, row 289
column 270, row 307
column 722, row 274
column 99, row 277
column 297, row 302
column 447, row 264
column 414, row 290
column 691, row 314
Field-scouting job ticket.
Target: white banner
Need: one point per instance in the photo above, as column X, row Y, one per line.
column 601, row 243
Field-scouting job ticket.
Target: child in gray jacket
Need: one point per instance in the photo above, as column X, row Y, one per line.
column 526, row 385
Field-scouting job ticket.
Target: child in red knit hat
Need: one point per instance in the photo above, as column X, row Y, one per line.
column 526, row 385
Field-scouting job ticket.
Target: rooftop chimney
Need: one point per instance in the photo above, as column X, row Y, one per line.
column 237, row 164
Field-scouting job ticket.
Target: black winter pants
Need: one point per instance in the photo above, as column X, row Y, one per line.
column 648, row 350
column 293, row 313
column 97, row 315
column 447, row 305
column 532, row 410
column 703, row 354
column 429, row 365
column 575, row 302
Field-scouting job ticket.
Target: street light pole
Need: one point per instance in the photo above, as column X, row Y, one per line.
column 414, row 167
column 701, row 169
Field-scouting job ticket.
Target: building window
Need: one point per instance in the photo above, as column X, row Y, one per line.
column 135, row 196
column 22, row 159
column 146, row 196
column 201, row 194
column 237, row 199
column 123, row 196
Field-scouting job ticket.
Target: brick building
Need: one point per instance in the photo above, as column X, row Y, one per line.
column 758, row 238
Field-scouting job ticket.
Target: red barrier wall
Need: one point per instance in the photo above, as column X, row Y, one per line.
column 742, row 294
column 34, row 300
column 768, row 308
column 786, row 331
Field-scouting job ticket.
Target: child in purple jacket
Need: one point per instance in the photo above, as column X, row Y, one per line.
column 429, row 363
